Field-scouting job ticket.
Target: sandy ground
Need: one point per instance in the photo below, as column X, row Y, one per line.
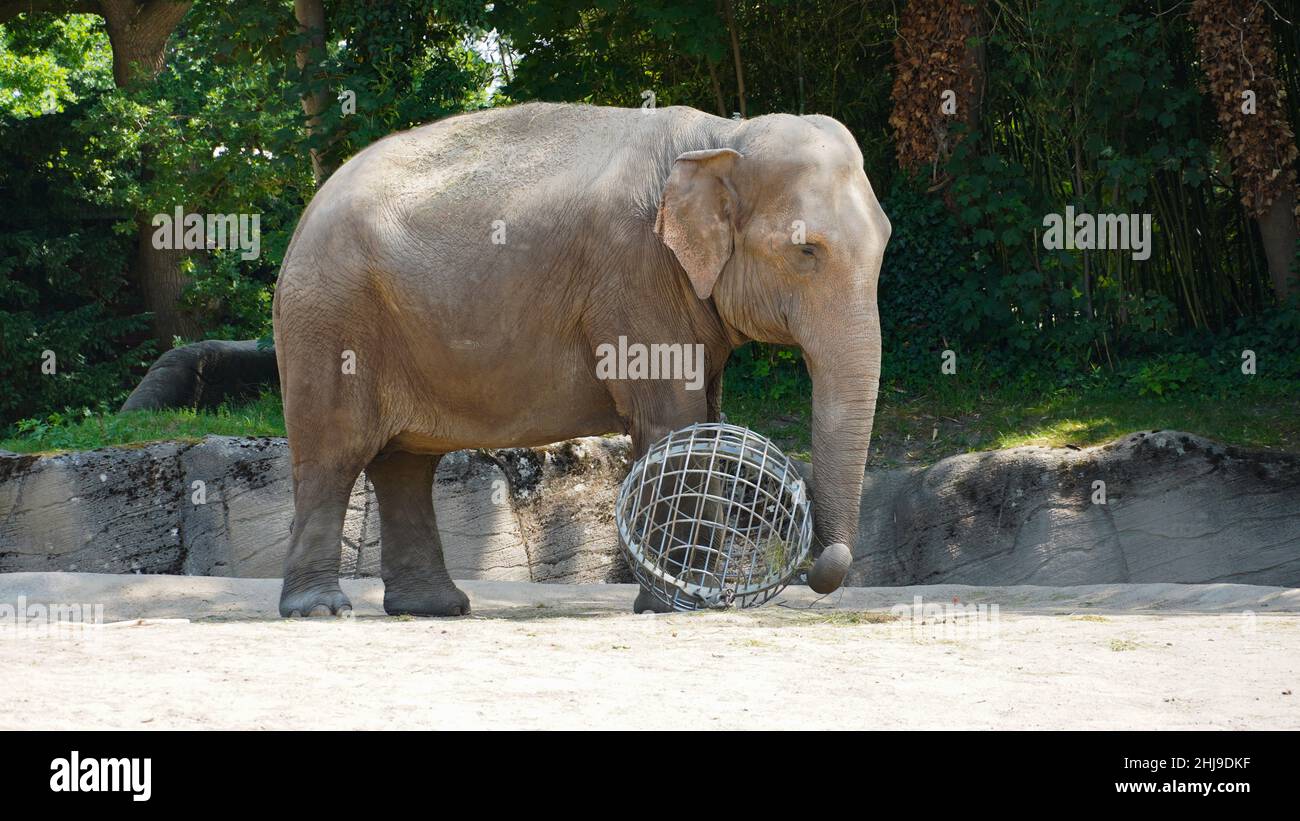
column 573, row 656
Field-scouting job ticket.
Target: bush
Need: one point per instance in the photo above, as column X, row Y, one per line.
column 63, row 285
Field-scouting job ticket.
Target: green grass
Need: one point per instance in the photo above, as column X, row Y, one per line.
column 911, row 427
column 262, row 417
column 922, row 427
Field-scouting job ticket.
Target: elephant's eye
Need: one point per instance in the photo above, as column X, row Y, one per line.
column 808, row 250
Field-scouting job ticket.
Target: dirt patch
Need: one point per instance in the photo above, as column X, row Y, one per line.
column 573, row 656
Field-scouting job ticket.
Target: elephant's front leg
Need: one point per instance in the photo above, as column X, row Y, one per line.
column 657, row 409
column 411, row 561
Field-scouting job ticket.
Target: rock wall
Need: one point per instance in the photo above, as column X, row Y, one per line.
column 222, row 507
column 1172, row 507
column 1177, row 508
column 205, row 375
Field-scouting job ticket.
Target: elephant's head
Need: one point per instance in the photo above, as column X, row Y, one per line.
column 780, row 227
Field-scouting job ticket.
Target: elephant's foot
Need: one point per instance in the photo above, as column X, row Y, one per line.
column 647, row 602
column 323, row 598
column 426, row 600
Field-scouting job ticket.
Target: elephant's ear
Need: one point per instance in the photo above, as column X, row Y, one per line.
column 696, row 213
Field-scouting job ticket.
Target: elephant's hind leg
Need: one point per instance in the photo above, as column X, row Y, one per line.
column 411, row 561
column 311, row 575
column 334, row 429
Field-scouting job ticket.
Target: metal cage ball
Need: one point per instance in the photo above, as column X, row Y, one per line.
column 714, row 515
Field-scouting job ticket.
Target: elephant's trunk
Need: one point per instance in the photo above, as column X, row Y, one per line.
column 846, row 374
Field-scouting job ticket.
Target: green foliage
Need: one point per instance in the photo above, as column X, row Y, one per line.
column 221, row 131
column 1165, row 375
column 45, row 67
column 62, row 283
column 609, row 52
column 1092, row 105
column 924, row 293
column 799, row 56
column 1089, row 103
column 775, row 372
column 406, row 62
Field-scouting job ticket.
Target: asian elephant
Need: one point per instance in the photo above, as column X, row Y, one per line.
column 453, row 286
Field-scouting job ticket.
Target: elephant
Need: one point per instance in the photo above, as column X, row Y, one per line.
column 456, row 285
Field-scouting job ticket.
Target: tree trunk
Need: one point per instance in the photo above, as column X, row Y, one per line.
column 735, row 57
column 138, row 33
column 1278, row 230
column 310, row 15
column 1240, row 64
column 938, row 82
column 717, row 89
column 157, row 272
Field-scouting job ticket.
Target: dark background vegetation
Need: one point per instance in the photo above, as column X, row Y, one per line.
column 1099, row 104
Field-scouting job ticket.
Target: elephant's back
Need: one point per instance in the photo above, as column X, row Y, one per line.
column 488, row 154
column 437, row 210
column 437, row 177
column 437, row 190
column 514, row 154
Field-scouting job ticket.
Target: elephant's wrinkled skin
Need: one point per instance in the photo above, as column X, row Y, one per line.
column 662, row 226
